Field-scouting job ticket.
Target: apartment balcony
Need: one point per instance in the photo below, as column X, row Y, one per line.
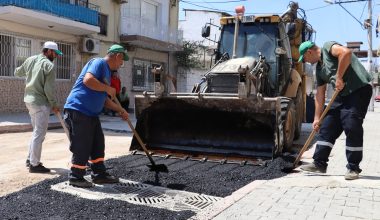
column 143, row 33
column 78, row 18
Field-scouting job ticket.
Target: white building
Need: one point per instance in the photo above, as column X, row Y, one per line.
column 195, row 20
column 191, row 26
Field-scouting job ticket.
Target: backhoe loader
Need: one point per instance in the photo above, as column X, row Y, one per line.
column 250, row 103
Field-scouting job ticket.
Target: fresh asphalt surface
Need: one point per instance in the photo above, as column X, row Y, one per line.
column 40, row 202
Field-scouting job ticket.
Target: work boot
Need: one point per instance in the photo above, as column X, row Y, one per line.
column 351, row 175
column 38, row 169
column 104, row 178
column 81, row 183
column 313, row 168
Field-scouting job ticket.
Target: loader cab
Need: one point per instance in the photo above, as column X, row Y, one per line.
column 257, row 38
column 253, row 38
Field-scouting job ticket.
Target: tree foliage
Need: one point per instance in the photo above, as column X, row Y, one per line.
column 189, row 56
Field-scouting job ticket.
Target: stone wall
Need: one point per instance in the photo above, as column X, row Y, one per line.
column 12, row 94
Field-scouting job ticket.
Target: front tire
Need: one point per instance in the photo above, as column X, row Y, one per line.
column 288, row 116
column 299, row 107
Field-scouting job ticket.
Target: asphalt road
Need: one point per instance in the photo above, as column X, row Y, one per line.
column 39, row 201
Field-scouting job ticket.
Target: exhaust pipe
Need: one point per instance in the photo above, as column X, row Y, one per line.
column 239, row 12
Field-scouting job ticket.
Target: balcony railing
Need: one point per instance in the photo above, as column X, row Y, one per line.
column 80, row 11
column 131, row 25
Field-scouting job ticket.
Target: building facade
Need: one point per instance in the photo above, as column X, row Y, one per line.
column 149, row 29
column 24, row 27
column 85, row 29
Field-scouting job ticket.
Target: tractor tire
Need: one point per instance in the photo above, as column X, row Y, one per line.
column 288, row 116
column 299, row 106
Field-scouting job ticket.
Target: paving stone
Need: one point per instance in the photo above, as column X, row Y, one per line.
column 336, row 217
column 329, row 196
column 338, row 202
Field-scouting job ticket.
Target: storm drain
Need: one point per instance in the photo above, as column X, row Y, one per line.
column 142, row 194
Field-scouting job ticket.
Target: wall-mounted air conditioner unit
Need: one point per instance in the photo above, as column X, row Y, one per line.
column 90, row 45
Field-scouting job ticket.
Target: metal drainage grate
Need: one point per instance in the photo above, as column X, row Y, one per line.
column 201, row 201
column 142, row 194
column 129, row 187
column 146, row 201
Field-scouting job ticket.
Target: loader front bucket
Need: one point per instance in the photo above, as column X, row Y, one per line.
column 213, row 125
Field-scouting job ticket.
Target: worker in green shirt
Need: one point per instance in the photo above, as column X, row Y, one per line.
column 337, row 65
column 39, row 98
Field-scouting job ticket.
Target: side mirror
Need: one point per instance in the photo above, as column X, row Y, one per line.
column 206, row 31
column 290, row 29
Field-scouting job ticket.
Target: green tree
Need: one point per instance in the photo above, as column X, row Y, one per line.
column 189, row 56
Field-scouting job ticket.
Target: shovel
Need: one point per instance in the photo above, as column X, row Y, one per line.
column 153, row 167
column 311, row 136
column 59, row 116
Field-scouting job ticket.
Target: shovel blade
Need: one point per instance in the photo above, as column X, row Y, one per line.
column 158, row 168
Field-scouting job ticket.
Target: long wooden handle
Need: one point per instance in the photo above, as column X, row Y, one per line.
column 59, row 116
column 311, row 136
column 137, row 136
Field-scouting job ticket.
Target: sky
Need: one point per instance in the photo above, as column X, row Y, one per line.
column 330, row 21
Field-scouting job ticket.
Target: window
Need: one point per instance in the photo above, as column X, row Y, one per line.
column 7, row 64
column 13, row 52
column 23, row 50
column 81, row 2
column 149, row 12
column 64, row 64
column 142, row 77
column 103, row 20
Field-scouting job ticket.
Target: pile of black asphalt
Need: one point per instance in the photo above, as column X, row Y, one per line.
column 39, row 201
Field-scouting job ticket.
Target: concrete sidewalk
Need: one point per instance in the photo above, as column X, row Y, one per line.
column 20, row 122
column 310, row 196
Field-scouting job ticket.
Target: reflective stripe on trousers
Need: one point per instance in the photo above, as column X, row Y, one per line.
column 347, row 116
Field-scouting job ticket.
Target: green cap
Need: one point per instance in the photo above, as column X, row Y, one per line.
column 116, row 48
column 303, row 48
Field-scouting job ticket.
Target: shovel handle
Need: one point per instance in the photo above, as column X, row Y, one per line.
column 137, row 136
column 59, row 116
column 311, row 136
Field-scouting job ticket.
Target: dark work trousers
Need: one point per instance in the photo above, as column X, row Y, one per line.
column 346, row 114
column 86, row 143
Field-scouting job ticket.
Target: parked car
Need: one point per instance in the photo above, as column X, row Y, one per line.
column 377, row 98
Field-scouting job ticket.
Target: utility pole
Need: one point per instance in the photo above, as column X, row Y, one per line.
column 369, row 26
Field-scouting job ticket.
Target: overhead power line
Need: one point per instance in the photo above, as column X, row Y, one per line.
column 215, row 9
column 201, row 6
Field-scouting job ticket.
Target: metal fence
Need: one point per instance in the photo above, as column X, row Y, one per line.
column 15, row 50
column 65, row 63
column 134, row 25
column 142, row 77
column 7, row 54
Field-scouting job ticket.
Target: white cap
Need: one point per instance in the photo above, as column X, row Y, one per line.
column 53, row 46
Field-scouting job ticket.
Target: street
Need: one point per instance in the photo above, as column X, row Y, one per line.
column 191, row 189
column 55, row 155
